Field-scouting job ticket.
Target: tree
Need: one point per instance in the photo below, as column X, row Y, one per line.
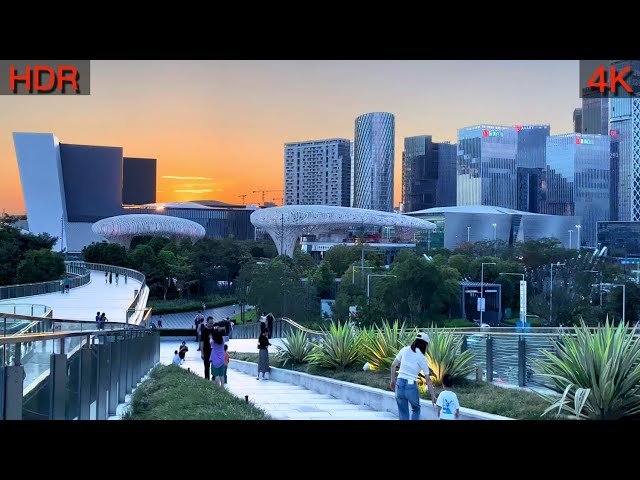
column 41, row 266
column 341, row 257
column 303, row 263
column 461, row 263
column 106, row 253
column 323, row 279
column 632, row 303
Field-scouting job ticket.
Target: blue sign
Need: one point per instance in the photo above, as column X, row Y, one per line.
column 629, row 261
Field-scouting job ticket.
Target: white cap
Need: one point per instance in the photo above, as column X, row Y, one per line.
column 423, row 336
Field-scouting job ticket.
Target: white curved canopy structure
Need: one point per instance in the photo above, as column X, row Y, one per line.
column 286, row 224
column 122, row 228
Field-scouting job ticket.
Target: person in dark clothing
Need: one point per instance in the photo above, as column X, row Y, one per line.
column 110, row 278
column 182, row 351
column 270, row 323
column 206, row 334
column 263, row 355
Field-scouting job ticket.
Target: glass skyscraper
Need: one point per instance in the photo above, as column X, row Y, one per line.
column 428, row 174
column 578, row 180
column 373, row 161
column 486, row 166
column 624, row 114
column 530, row 164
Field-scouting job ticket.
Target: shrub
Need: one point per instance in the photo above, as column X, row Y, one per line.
column 597, row 373
column 297, row 348
column 339, row 347
column 381, row 345
column 445, row 356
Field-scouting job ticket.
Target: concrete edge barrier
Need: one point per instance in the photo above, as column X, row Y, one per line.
column 377, row 399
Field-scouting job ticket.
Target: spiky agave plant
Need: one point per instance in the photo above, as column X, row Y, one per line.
column 339, row 347
column 445, row 355
column 382, row 344
column 296, row 349
column 596, row 372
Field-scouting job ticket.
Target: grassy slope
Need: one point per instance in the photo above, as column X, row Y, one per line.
column 173, row 393
column 161, row 307
column 481, row 396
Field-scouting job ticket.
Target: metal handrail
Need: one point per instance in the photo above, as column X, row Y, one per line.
column 39, row 319
column 38, row 288
column 301, row 327
column 37, row 337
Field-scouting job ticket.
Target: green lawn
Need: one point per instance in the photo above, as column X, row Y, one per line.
column 162, row 307
column 483, row 396
column 535, row 322
column 249, row 316
column 172, row 393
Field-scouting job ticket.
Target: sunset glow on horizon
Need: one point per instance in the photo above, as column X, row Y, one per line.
column 218, row 128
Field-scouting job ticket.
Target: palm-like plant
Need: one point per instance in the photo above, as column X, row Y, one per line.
column 446, row 356
column 297, row 348
column 381, row 345
column 339, row 347
column 597, row 373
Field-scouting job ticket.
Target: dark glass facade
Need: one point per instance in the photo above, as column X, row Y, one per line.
column 92, row 178
column 530, row 164
column 621, row 238
column 577, row 120
column 578, row 180
column 595, row 115
column 218, row 222
column 138, row 181
column 486, row 166
column 428, row 174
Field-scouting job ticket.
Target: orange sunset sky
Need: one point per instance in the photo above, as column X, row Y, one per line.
column 225, row 122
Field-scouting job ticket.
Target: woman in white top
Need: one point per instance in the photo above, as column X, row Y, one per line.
column 412, row 360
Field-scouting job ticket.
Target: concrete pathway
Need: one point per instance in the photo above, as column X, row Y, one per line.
column 82, row 303
column 282, row 401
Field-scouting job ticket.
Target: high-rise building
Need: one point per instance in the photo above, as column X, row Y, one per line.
column 595, row 114
column 318, row 172
column 577, row 120
column 428, row 174
column 530, row 165
column 138, row 181
column 373, row 161
column 578, row 181
column 486, row 166
column 625, row 133
column 353, row 176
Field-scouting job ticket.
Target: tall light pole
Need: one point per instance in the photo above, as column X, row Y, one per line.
column 570, row 233
column 353, row 273
column 624, row 299
column 468, row 234
column 600, row 284
column 369, row 281
column 551, row 291
column 578, row 227
column 523, row 320
column 482, row 288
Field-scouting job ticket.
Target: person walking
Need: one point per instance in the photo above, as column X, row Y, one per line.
column 198, row 320
column 67, row 284
column 160, row 321
column 263, row 322
column 263, row 355
column 182, row 351
column 110, row 278
column 412, row 360
column 270, row 319
column 106, row 277
column 217, row 356
column 447, row 404
column 117, row 274
column 125, row 278
column 206, row 335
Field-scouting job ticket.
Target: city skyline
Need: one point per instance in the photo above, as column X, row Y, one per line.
column 221, row 134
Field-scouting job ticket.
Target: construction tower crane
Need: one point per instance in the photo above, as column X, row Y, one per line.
column 265, row 191
column 242, row 197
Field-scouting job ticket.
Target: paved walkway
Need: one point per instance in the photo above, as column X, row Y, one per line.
column 82, row 303
column 282, row 401
column 185, row 319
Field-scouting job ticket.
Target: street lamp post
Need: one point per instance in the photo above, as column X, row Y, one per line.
column 428, row 240
column 600, row 284
column 624, row 299
column 570, row 233
column 578, row 227
column 551, row 291
column 353, row 273
column 369, row 281
column 482, row 288
column 468, row 234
